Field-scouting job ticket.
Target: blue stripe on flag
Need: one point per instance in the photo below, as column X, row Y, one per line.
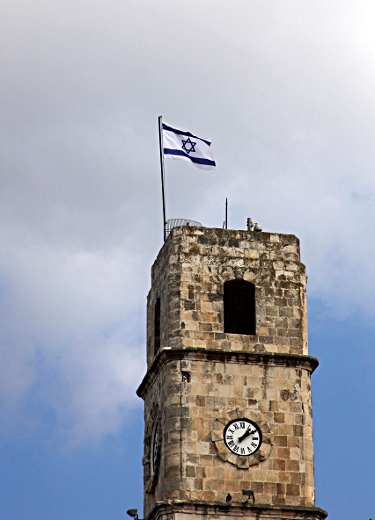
column 170, row 151
column 179, row 132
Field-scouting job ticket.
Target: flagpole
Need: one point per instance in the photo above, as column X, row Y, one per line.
column 162, row 172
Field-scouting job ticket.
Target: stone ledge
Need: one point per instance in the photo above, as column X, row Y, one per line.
column 172, row 509
column 167, row 355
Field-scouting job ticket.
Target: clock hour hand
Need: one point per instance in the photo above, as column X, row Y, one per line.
column 246, row 434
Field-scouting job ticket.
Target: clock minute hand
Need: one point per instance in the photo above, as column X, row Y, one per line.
column 246, row 434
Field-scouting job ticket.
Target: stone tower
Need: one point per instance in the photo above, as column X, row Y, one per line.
column 228, row 419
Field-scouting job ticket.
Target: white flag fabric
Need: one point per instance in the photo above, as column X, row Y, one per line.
column 188, row 147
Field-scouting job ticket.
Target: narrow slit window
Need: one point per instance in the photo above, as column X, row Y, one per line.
column 239, row 307
column 157, row 327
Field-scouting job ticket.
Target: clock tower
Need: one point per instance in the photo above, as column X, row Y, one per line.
column 228, row 414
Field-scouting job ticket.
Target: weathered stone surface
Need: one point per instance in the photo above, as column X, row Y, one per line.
column 193, row 510
column 189, row 274
column 202, row 377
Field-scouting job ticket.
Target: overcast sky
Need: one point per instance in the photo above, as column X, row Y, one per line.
column 286, row 92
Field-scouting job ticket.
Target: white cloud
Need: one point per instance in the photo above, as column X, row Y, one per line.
column 66, row 337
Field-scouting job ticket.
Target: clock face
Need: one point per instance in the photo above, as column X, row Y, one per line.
column 242, row 437
column 155, row 447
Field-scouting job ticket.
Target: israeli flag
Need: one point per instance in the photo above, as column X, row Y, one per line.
column 188, row 147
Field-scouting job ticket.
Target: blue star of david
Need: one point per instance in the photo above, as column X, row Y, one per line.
column 190, row 143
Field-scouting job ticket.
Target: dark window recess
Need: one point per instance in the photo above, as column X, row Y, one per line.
column 239, row 307
column 186, row 376
column 157, row 327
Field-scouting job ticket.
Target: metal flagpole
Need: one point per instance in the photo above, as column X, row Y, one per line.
column 162, row 172
column 226, row 213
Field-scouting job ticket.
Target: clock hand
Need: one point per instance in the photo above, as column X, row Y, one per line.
column 246, row 434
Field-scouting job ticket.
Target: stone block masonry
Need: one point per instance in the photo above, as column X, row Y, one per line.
column 200, row 377
column 188, row 277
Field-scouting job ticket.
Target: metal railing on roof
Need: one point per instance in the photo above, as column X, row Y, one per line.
column 175, row 222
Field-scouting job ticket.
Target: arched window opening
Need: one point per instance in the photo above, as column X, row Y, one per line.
column 157, row 326
column 239, row 307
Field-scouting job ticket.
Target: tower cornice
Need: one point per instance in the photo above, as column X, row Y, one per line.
column 168, row 355
column 180, row 508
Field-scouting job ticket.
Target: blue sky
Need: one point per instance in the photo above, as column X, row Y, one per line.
column 343, row 393
column 285, row 91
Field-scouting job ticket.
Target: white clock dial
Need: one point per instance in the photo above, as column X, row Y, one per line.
column 155, row 447
column 242, row 437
